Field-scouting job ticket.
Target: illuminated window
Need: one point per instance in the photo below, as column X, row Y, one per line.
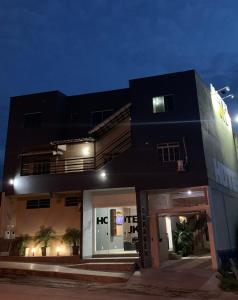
column 169, row 152
column 162, row 104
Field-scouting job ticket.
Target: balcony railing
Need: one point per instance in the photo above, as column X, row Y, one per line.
column 36, row 165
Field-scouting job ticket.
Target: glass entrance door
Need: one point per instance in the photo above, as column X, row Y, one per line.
column 101, row 231
column 116, row 230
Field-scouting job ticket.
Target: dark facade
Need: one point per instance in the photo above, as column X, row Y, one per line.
column 64, row 118
column 152, row 142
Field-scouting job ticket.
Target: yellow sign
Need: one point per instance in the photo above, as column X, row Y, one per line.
column 220, row 106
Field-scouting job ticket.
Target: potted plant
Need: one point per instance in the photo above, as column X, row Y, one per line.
column 72, row 238
column 183, row 239
column 43, row 237
column 22, row 242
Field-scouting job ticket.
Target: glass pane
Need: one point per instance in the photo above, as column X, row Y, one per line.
column 158, row 104
column 102, row 231
column 116, row 230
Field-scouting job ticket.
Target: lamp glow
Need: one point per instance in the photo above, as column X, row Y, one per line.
column 11, row 181
column 86, row 151
column 189, row 192
column 103, row 174
column 224, row 89
column 236, row 119
column 229, row 96
column 58, row 250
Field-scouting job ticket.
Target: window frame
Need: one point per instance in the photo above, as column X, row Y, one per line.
column 38, row 203
column 69, row 201
column 167, row 152
column 168, row 103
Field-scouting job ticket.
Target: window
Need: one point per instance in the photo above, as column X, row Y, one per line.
column 41, row 203
column 162, row 104
column 100, row 115
column 169, row 152
column 72, row 201
column 75, row 117
column 33, row 120
column 41, row 168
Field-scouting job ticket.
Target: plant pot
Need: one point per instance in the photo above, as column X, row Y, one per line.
column 75, row 250
column 43, row 251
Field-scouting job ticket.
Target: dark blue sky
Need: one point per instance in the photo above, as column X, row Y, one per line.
column 79, row 46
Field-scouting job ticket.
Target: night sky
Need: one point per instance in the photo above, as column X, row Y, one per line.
column 79, row 46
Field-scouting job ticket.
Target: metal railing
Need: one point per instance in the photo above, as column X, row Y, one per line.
column 37, row 165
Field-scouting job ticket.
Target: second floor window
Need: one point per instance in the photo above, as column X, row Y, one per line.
column 100, row 115
column 33, row 120
column 41, row 168
column 162, row 104
column 169, row 152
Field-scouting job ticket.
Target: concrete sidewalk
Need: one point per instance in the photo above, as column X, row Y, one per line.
column 20, row 268
column 182, row 279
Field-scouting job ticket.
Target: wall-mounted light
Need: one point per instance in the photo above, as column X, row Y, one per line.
column 103, row 174
column 11, row 182
column 85, row 151
column 229, row 96
column 189, row 192
column 224, row 90
column 58, row 251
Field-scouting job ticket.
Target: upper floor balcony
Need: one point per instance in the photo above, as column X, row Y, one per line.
column 107, row 140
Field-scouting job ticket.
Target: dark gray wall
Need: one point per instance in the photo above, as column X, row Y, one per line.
column 139, row 166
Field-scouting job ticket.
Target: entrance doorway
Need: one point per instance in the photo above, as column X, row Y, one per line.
column 180, row 225
column 116, row 230
column 182, row 236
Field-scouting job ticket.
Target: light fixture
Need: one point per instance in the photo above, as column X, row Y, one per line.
column 85, row 151
column 189, row 192
column 224, row 90
column 236, row 119
column 229, row 96
column 58, row 250
column 103, row 174
column 11, row 181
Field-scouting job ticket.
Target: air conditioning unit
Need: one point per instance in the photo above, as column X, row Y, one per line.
column 180, row 166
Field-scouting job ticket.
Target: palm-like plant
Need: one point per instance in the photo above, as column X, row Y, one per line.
column 43, row 236
column 22, row 243
column 183, row 238
column 72, row 238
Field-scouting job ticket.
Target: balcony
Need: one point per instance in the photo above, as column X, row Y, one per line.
column 80, row 155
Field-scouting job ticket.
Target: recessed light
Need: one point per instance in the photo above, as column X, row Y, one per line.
column 103, row 174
